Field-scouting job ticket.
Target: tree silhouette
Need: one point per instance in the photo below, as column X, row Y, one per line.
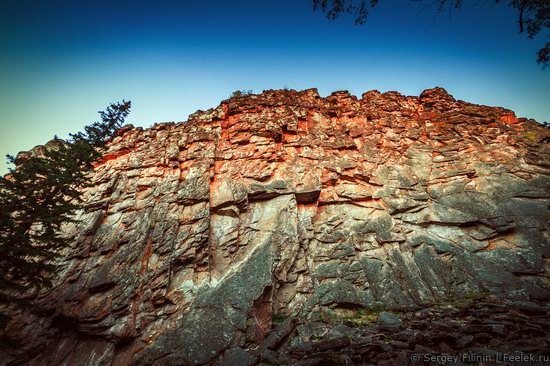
column 40, row 195
column 533, row 15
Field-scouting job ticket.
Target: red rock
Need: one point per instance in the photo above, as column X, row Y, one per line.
column 196, row 233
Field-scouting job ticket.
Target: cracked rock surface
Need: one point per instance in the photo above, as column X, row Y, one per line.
column 196, row 235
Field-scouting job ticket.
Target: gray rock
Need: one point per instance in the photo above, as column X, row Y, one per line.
column 388, row 320
column 193, row 235
column 236, row 357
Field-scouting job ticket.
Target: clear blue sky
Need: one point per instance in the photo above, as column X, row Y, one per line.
column 63, row 60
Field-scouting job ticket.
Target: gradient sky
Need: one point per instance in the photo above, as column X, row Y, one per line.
column 63, row 60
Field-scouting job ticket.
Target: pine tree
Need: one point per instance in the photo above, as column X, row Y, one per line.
column 41, row 194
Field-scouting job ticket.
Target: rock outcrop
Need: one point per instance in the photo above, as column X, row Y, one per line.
column 196, row 235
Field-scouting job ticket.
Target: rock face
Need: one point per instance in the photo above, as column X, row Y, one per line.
column 196, row 235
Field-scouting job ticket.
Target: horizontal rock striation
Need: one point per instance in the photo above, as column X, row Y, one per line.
column 196, row 235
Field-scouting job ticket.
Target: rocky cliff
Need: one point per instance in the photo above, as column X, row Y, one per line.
column 196, row 236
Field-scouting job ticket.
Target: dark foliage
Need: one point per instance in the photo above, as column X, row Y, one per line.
column 533, row 15
column 38, row 197
column 333, row 8
column 240, row 93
